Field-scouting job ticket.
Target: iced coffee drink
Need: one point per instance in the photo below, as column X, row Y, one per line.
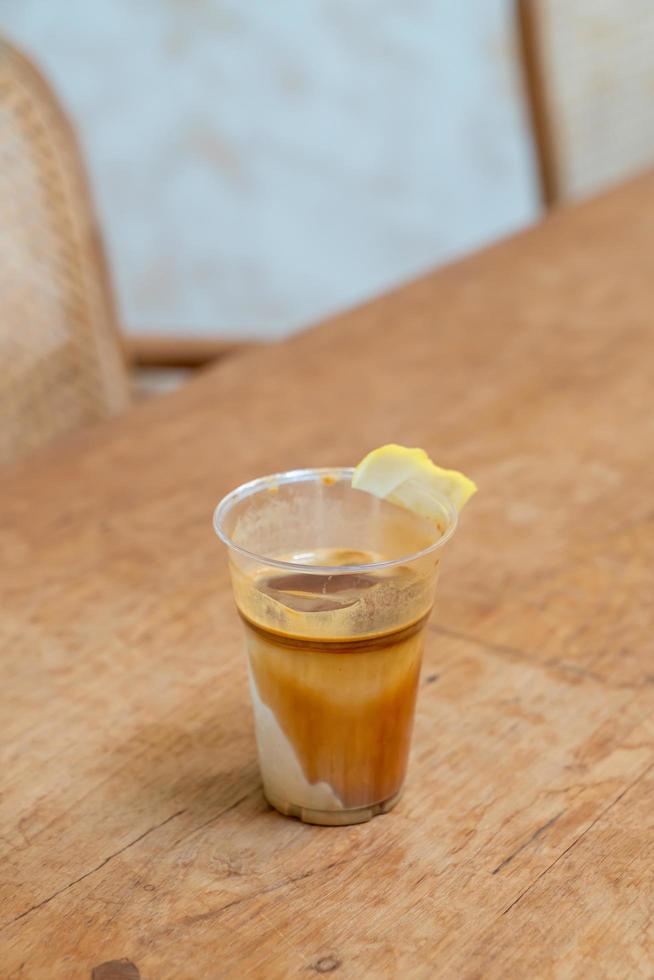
column 334, row 587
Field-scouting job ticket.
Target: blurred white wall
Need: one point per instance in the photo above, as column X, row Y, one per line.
column 259, row 165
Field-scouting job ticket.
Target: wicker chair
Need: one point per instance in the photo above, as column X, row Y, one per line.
column 63, row 363
column 588, row 73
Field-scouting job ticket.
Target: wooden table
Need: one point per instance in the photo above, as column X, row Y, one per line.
column 132, row 821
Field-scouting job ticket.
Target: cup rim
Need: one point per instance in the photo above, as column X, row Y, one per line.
column 333, row 474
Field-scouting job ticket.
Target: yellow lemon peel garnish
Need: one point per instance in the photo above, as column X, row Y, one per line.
column 409, row 478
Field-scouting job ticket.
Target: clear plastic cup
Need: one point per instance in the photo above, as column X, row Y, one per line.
column 334, row 587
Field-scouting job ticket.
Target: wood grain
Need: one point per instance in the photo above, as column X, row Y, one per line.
column 132, row 824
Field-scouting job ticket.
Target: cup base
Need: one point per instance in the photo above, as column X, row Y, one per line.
column 332, row 818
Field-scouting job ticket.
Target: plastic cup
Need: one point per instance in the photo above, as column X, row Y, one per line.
column 334, row 587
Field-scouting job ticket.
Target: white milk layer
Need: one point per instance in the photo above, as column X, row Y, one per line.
column 280, row 769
